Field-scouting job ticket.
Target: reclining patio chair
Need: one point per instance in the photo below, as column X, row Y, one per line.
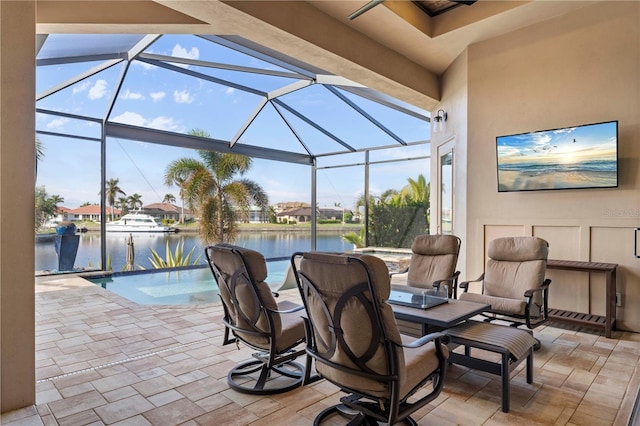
column 514, row 282
column 353, row 337
column 433, row 264
column 252, row 316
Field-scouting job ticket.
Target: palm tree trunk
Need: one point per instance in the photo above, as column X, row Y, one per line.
column 220, row 216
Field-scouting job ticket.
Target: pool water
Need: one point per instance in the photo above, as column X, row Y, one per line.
column 183, row 287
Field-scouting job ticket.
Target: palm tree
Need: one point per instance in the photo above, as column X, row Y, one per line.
column 211, row 189
column 56, row 199
column 112, row 191
column 178, row 180
column 135, row 201
column 416, row 191
column 39, row 149
column 169, row 198
column 123, row 205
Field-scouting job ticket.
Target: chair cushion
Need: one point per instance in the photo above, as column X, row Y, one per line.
column 518, row 249
column 252, row 317
column 433, row 245
column 499, row 305
column 335, row 275
column 292, row 326
column 434, row 258
column 419, row 363
column 516, row 264
column 256, row 263
column 512, row 279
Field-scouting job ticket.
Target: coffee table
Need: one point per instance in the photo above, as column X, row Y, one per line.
column 439, row 317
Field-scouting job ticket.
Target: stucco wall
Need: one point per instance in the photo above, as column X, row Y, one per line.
column 17, row 180
column 580, row 68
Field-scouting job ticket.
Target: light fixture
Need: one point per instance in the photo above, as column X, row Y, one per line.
column 437, row 122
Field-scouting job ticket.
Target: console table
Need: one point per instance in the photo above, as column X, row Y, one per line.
column 606, row 323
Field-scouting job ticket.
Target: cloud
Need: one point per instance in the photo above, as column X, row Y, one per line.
column 157, row 96
column 57, row 123
column 182, row 97
column 99, row 90
column 160, row 123
column 134, row 96
column 165, row 123
column 567, row 130
column 144, row 65
column 132, row 118
column 81, row 87
column 541, row 139
column 230, row 91
column 181, row 52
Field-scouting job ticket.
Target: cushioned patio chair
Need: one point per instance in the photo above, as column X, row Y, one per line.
column 353, row 338
column 252, row 316
column 514, row 282
column 433, row 264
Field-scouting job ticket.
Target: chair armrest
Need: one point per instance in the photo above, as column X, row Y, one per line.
column 290, row 311
column 545, row 285
column 431, row 337
column 465, row 284
column 293, row 309
column 453, row 278
column 404, row 271
column 452, row 291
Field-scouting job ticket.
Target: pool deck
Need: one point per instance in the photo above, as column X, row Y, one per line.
column 102, row 359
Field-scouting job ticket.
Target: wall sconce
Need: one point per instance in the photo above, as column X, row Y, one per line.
column 437, row 122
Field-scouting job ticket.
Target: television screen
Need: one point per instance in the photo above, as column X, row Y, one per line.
column 573, row 157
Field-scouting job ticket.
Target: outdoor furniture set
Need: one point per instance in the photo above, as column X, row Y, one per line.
column 354, row 322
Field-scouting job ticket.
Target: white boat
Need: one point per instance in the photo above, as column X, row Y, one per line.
column 137, row 222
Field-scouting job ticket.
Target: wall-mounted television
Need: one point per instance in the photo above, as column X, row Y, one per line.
column 584, row 156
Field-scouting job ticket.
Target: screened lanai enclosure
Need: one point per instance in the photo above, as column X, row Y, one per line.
column 114, row 111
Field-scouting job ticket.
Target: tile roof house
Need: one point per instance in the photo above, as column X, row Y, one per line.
column 168, row 211
column 91, row 212
column 289, row 205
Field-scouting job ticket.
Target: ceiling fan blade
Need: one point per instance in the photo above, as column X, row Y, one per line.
column 366, row 7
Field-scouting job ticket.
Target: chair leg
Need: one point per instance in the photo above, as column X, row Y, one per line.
column 359, row 413
column 269, row 380
column 356, row 418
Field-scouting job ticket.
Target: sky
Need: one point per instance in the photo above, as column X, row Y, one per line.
column 568, row 145
column 158, row 98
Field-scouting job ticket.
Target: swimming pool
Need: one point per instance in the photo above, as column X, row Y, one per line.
column 181, row 287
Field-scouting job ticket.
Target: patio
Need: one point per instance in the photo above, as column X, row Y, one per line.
column 101, row 359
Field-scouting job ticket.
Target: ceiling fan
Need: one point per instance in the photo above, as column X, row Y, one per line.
column 430, row 7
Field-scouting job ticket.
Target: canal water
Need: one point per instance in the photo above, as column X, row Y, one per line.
column 272, row 244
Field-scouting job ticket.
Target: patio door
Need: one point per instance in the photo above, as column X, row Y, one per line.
column 445, row 188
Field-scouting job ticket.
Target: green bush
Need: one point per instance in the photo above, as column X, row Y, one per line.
column 172, row 260
column 392, row 226
column 326, row 221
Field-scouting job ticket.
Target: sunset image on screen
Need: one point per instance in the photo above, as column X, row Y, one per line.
column 573, row 157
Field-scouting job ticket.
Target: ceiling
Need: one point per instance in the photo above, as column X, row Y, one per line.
column 239, row 97
column 435, row 42
column 438, row 7
column 416, row 47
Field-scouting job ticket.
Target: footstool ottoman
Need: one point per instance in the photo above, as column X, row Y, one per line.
column 513, row 344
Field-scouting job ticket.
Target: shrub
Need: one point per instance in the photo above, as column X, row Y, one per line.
column 172, row 260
